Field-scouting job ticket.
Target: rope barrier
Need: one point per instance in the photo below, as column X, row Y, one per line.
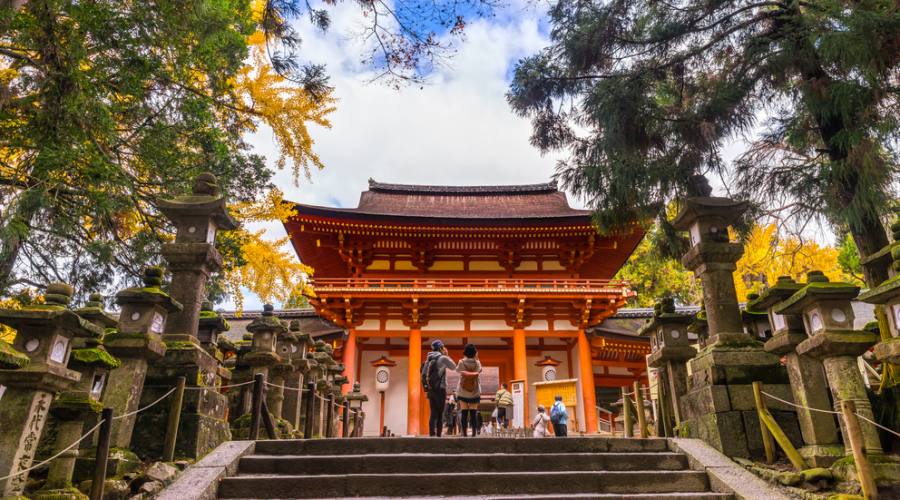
column 776, row 398
column 135, row 412
column 876, row 424
column 88, row 433
column 288, row 388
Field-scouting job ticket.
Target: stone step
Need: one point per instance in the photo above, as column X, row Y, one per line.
column 458, row 462
column 548, row 496
column 458, row 445
column 508, row 484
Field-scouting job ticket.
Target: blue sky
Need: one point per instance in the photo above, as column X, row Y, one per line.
column 457, row 129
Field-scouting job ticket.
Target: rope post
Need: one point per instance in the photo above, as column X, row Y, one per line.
column 173, row 420
column 267, row 421
column 310, row 410
column 101, row 457
column 639, row 408
column 345, row 420
column 854, row 435
column 766, row 436
column 256, row 405
column 329, row 416
column 626, row 414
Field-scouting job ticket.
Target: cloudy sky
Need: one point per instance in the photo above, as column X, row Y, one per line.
column 456, row 129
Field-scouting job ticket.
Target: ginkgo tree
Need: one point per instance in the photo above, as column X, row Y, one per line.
column 106, row 107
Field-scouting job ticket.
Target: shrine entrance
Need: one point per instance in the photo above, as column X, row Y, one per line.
column 511, row 269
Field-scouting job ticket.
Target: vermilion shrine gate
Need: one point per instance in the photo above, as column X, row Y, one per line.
column 513, row 269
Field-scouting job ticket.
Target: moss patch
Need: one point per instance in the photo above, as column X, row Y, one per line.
column 11, row 358
column 95, row 356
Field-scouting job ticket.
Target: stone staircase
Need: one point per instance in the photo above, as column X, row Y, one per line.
column 577, row 467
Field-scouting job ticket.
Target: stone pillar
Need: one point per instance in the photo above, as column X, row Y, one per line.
column 414, row 382
column 136, row 342
column 192, row 257
column 350, row 358
column 808, row 385
column 670, row 351
column 828, row 321
column 32, row 370
column 588, row 391
column 323, row 374
column 719, row 406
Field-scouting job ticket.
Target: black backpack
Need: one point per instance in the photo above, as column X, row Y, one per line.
column 431, row 375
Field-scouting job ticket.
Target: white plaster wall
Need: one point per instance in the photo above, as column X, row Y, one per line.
column 395, row 397
column 369, row 324
column 488, row 324
column 564, row 325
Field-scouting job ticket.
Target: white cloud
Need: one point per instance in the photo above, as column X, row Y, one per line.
column 458, row 129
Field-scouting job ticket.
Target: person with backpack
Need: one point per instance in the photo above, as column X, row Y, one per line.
column 539, row 424
column 469, row 391
column 504, row 406
column 559, row 417
column 434, row 382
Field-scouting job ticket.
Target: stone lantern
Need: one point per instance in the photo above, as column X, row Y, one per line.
column 44, row 335
column 756, row 321
column 887, row 294
column 719, row 406
column 821, row 444
column 265, row 329
column 827, row 317
column 356, row 399
column 137, row 342
column 191, row 258
column 293, row 382
column 77, row 410
column 700, row 327
column 288, row 349
column 209, row 330
column 670, row 350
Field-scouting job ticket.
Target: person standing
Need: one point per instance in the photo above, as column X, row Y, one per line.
column 539, row 424
column 469, row 391
column 560, row 418
column 504, row 406
column 434, row 381
column 450, row 415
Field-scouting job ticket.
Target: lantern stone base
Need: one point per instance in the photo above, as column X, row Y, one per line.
column 120, row 462
column 822, row 455
column 70, row 493
column 719, row 406
column 203, row 424
column 886, row 469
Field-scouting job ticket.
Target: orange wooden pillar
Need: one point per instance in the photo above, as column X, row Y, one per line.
column 588, row 393
column 520, row 364
column 350, row 360
column 414, row 391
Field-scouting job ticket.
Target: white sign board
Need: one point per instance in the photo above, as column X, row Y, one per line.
column 517, row 388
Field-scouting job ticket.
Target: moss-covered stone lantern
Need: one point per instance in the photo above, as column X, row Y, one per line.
column 756, row 321
column 77, row 410
column 717, row 407
column 806, row 374
column 887, row 294
column 266, row 330
column 700, row 327
column 670, row 351
column 210, row 328
column 137, row 342
column 827, row 316
column 299, row 345
column 44, row 334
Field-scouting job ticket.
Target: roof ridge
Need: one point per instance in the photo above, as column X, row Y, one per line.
column 384, row 187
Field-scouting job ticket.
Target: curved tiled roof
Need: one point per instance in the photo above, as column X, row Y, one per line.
column 525, row 201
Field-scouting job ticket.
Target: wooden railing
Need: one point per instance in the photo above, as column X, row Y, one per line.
column 469, row 283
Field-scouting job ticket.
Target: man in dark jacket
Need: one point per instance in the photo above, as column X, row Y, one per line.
column 435, row 381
